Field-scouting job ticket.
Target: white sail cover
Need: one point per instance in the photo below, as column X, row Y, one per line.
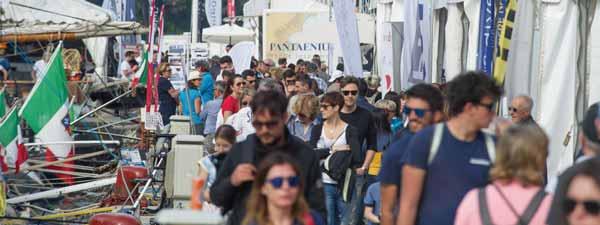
column 51, row 16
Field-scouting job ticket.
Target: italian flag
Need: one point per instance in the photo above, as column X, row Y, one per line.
column 46, row 112
column 15, row 152
column 141, row 75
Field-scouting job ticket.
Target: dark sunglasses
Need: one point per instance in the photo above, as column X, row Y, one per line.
column 270, row 125
column 277, row 182
column 240, row 84
column 419, row 112
column 348, row 93
column 324, row 106
column 290, row 82
column 512, row 109
column 251, row 81
column 245, row 103
column 591, row 207
column 489, row 107
column 302, row 116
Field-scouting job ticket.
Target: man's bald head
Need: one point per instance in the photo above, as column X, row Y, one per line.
column 520, row 108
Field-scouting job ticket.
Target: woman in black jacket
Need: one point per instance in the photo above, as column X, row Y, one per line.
column 337, row 145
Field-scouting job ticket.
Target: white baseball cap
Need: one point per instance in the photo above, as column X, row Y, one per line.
column 194, row 75
column 336, row 74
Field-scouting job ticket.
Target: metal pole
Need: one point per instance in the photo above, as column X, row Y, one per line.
column 72, row 143
column 105, row 133
column 100, row 107
column 194, row 21
column 111, row 124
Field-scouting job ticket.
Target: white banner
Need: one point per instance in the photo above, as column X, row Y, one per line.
column 594, row 61
column 385, row 49
column 347, row 28
column 213, row 12
column 416, row 53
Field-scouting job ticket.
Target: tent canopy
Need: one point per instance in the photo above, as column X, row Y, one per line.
column 227, row 34
column 64, row 19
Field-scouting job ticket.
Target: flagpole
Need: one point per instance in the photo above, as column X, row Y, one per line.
column 102, row 106
column 150, row 58
column 159, row 58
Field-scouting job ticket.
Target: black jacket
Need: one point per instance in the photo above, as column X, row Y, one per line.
column 230, row 198
column 351, row 138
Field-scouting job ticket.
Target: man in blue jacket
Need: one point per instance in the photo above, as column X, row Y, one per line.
column 207, row 85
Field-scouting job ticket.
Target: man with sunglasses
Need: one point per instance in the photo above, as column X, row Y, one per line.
column 234, row 180
column 445, row 161
column 250, row 78
column 360, row 118
column 520, row 110
column 590, row 148
column 424, row 106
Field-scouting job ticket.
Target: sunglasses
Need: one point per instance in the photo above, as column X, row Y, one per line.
column 270, row 125
column 245, row 103
column 489, row 107
column 324, row 106
column 292, row 182
column 348, row 93
column 512, row 109
column 419, row 112
column 290, row 82
column 591, row 207
column 251, row 81
column 302, row 116
column 240, row 84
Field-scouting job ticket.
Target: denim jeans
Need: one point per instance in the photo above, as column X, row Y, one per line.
column 334, row 204
column 354, row 214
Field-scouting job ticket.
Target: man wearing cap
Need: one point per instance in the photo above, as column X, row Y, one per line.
column 590, row 147
column 207, row 87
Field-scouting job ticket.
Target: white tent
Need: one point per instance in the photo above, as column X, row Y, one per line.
column 227, row 34
column 32, row 20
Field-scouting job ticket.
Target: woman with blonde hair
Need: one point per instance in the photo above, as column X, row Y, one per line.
column 305, row 110
column 276, row 197
column 167, row 95
column 516, row 192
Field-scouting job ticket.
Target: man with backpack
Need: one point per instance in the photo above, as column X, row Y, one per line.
column 447, row 160
column 424, row 106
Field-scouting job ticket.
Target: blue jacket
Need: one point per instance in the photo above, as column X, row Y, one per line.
column 206, row 88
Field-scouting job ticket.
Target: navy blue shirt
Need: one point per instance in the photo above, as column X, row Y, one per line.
column 373, row 199
column 168, row 105
column 457, row 168
column 393, row 159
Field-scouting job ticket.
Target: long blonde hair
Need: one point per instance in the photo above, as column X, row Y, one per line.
column 521, row 155
column 258, row 212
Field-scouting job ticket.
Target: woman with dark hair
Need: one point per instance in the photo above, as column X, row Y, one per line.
column 384, row 138
column 167, row 95
column 334, row 136
column 224, row 139
column 231, row 102
column 276, row 197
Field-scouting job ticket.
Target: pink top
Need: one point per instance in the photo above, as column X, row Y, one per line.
column 519, row 197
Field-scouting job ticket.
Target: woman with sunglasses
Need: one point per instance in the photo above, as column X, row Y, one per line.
column 581, row 203
column 328, row 138
column 231, row 102
column 276, row 197
column 168, row 96
column 516, row 194
column 191, row 101
column 305, row 111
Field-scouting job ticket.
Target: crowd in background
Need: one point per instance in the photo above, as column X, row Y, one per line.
column 294, row 144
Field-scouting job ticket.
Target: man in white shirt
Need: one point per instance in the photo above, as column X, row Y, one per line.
column 38, row 68
column 126, row 70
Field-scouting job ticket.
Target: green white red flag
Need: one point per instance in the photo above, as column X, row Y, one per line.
column 14, row 152
column 141, row 75
column 3, row 105
column 46, row 112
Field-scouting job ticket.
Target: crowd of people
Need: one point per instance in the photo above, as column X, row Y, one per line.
column 293, row 144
